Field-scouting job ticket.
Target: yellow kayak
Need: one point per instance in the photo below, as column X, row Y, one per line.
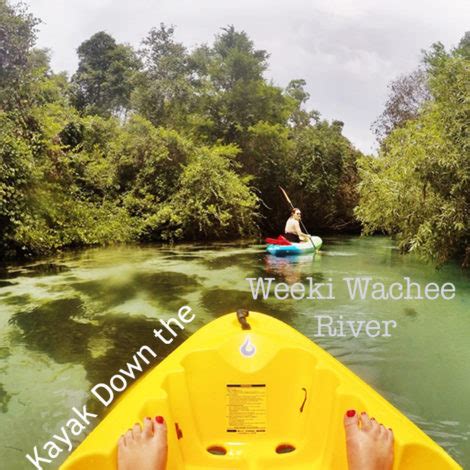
column 250, row 392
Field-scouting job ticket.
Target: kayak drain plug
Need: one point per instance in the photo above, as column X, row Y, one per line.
column 284, row 448
column 242, row 314
column 217, row 450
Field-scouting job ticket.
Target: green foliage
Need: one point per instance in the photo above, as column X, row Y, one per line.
column 148, row 162
column 103, row 82
column 16, row 176
column 164, row 93
column 39, row 212
column 408, row 93
column 265, row 152
column 88, row 143
column 323, row 174
column 463, row 48
column 419, row 187
column 17, row 36
column 159, row 144
column 295, row 91
column 63, row 220
column 211, row 202
column 241, row 61
column 236, row 94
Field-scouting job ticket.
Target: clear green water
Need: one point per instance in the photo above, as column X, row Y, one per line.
column 70, row 322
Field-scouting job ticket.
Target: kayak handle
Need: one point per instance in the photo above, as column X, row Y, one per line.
column 242, row 313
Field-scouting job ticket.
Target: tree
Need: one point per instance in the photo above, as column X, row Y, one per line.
column 265, row 151
column 17, row 37
column 16, row 180
column 295, row 90
column 164, row 94
column 103, row 82
column 407, row 95
column 200, row 156
column 322, row 173
column 241, row 61
column 463, row 48
column 237, row 96
column 148, row 160
column 419, row 187
column 212, row 201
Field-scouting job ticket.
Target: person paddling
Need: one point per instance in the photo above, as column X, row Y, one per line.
column 293, row 233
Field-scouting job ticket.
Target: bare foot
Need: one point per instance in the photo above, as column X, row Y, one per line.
column 369, row 444
column 144, row 449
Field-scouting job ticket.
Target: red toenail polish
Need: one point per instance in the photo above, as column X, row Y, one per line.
column 350, row 413
column 159, row 419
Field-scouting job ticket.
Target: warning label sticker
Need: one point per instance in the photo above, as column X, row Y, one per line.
column 246, row 407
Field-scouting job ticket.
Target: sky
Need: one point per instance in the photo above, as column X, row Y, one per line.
column 348, row 51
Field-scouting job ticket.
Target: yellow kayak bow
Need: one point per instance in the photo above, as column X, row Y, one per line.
column 250, row 392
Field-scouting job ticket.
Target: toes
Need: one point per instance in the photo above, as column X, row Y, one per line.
column 136, row 430
column 366, row 423
column 122, row 441
column 148, row 427
column 122, row 449
column 128, row 437
column 375, row 426
column 383, row 431
column 160, row 430
column 351, row 423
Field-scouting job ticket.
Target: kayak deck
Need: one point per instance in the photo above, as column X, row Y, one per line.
column 265, row 398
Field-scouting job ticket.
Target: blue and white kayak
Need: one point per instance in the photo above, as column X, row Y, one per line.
column 295, row 248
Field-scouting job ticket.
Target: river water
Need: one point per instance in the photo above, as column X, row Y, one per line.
column 70, row 322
